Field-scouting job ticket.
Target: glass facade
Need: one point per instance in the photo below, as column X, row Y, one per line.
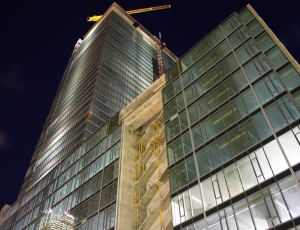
column 231, row 110
column 113, row 65
column 74, row 172
column 84, row 185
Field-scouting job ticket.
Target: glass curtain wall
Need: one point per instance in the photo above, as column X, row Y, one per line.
column 113, row 65
column 231, row 110
column 83, row 186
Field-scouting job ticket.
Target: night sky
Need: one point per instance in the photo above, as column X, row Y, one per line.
column 37, row 39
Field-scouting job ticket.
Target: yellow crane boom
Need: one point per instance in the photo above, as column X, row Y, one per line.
column 96, row 18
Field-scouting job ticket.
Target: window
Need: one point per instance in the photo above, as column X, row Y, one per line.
column 231, row 24
column 172, row 73
column 176, row 125
column 171, row 90
column 246, row 51
column 246, row 16
column 179, row 147
column 256, row 68
column 217, row 96
column 276, row 57
column 186, row 205
column 282, row 113
column 201, row 49
column 264, row 41
column 255, row 28
column 290, row 77
column 268, row 88
column 238, row 37
column 182, row 174
column 173, row 107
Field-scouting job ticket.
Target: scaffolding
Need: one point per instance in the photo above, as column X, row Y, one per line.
column 138, row 172
column 150, row 177
column 159, row 49
column 140, row 149
column 156, row 126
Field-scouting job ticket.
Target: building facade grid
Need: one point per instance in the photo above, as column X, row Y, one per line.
column 231, row 108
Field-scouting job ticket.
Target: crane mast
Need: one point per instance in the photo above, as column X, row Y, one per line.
column 96, row 18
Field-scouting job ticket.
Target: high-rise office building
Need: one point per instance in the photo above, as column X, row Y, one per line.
column 115, row 62
column 232, row 115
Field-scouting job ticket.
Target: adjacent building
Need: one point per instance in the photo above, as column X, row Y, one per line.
column 211, row 144
column 231, row 111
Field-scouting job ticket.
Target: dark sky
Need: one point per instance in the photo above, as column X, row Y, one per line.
column 37, row 38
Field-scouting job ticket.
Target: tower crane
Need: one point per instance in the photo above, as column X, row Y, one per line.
column 96, row 18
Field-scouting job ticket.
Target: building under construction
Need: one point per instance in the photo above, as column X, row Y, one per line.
column 76, row 166
column 212, row 144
